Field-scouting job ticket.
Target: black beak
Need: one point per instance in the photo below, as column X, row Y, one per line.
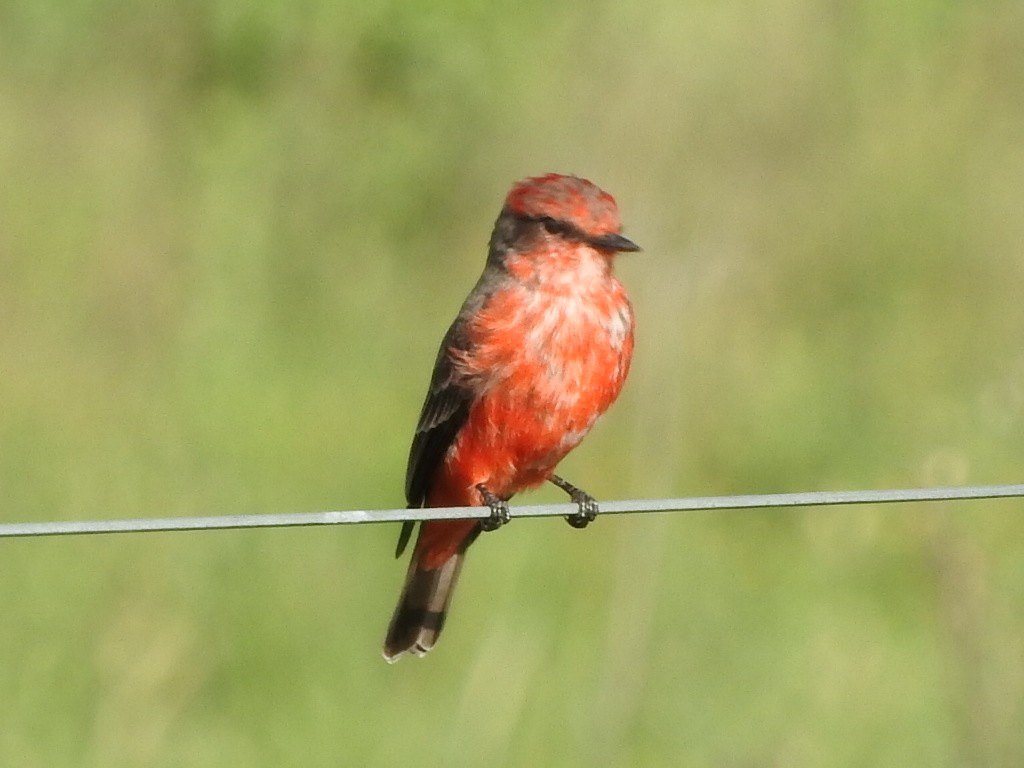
column 613, row 243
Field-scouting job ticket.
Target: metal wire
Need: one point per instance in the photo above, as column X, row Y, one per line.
column 349, row 517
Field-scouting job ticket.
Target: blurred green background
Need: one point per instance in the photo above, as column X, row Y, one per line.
column 231, row 237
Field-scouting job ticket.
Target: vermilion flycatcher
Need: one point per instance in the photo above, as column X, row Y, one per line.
column 538, row 352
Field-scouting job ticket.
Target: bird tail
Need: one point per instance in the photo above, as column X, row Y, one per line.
column 419, row 617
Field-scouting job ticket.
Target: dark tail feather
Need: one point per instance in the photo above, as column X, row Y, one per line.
column 419, row 617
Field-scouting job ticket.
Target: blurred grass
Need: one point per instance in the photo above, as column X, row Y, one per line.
column 231, row 236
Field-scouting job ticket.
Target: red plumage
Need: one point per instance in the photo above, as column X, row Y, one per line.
column 539, row 350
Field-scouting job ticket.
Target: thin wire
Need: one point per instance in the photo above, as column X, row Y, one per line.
column 349, row 517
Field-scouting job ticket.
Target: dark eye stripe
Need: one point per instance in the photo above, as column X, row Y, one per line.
column 609, row 242
column 557, row 227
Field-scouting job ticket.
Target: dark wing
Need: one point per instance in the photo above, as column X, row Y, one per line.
column 444, row 412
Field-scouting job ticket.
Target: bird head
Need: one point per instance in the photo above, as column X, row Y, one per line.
column 560, row 209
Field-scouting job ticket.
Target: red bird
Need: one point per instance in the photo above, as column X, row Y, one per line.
column 538, row 352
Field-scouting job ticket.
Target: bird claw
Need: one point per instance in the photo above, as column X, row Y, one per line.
column 586, row 503
column 499, row 510
column 588, row 509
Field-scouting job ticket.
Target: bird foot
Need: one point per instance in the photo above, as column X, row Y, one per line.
column 499, row 510
column 585, row 503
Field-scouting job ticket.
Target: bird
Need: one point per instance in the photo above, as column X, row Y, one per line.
column 538, row 351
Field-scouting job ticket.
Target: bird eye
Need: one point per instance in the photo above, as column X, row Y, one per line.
column 554, row 226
